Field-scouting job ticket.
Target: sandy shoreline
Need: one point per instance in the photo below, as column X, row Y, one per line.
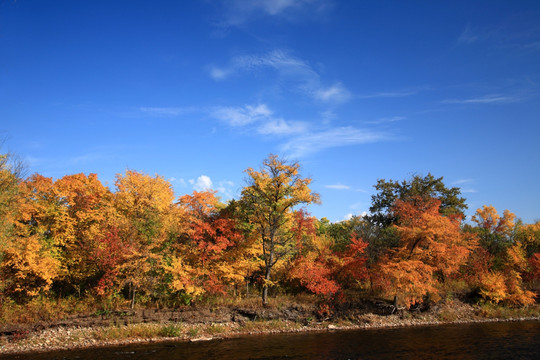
column 55, row 339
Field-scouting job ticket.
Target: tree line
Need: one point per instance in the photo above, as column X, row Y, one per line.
column 75, row 237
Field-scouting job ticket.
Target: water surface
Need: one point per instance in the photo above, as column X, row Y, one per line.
column 506, row 340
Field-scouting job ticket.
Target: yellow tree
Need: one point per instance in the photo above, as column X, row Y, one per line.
column 503, row 279
column 89, row 211
column 147, row 218
column 9, row 191
column 270, row 197
column 27, row 266
column 529, row 238
column 495, row 231
column 30, row 262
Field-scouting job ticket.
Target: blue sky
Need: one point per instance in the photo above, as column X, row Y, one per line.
column 198, row 91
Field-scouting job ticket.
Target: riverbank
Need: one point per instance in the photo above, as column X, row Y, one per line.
column 131, row 327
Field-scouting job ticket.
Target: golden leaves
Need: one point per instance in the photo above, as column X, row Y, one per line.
column 488, row 219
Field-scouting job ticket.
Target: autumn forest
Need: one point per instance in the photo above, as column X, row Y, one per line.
column 138, row 245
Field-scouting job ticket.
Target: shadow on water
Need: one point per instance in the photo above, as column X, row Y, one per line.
column 507, row 340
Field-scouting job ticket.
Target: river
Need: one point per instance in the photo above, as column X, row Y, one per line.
column 503, row 340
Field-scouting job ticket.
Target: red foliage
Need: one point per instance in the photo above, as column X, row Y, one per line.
column 210, row 235
column 315, row 275
column 303, row 225
column 354, row 260
column 108, row 253
column 534, row 263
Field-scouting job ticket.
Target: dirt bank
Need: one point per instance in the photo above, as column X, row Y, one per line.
column 197, row 324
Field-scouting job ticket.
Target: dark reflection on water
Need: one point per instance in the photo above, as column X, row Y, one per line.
column 509, row 340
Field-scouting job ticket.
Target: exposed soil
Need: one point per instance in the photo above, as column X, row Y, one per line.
column 199, row 315
column 79, row 331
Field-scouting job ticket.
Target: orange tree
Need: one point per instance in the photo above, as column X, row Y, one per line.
column 431, row 249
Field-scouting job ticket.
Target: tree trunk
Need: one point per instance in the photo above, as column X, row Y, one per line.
column 133, row 298
column 265, row 287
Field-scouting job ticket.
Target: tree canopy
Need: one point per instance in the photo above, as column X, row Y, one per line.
column 418, row 188
column 271, row 195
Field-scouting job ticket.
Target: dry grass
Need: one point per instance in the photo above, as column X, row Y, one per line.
column 492, row 311
column 43, row 309
column 254, row 301
column 263, row 326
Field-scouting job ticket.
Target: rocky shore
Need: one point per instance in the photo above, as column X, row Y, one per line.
column 146, row 326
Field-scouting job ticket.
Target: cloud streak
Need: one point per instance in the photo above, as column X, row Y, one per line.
column 386, row 120
column 165, row 111
column 337, row 187
column 239, row 12
column 241, row 116
column 337, row 137
column 290, row 70
column 389, row 94
column 301, row 137
column 260, row 117
column 462, row 181
column 488, row 99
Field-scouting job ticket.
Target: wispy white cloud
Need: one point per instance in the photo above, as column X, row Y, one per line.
column 386, row 120
column 328, row 115
column 517, row 34
column 389, row 94
column 291, row 70
column 466, row 182
column 487, row 99
column 278, row 60
column 337, row 187
column 86, row 158
column 260, row 117
column 337, row 137
column 218, row 74
column 532, row 45
column 281, row 127
column 241, row 116
column 165, row 111
column 301, row 138
column 335, row 93
column 468, row 36
column 462, row 181
column 239, row 12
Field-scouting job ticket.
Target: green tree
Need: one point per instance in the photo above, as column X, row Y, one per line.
column 419, row 188
column 271, row 194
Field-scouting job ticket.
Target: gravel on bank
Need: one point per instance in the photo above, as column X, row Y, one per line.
column 66, row 337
